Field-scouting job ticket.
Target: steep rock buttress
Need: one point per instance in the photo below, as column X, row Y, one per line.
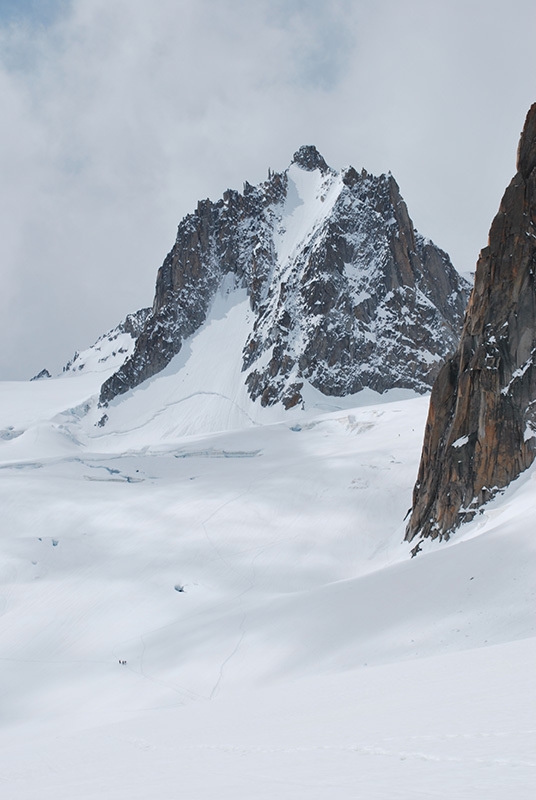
column 481, row 427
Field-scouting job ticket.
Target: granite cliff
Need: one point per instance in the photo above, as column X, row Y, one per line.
column 481, row 427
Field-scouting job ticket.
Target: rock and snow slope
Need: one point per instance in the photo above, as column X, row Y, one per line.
column 343, row 292
column 279, row 639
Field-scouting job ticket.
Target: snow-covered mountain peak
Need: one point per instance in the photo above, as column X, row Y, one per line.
column 343, row 292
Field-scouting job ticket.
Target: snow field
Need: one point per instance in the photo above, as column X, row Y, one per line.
column 279, row 640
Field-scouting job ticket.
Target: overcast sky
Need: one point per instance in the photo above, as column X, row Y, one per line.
column 118, row 115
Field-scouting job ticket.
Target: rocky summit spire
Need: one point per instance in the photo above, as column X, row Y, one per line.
column 308, row 157
column 481, row 426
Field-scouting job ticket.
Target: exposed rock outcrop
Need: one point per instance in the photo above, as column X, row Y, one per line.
column 344, row 293
column 308, row 157
column 40, row 375
column 481, row 427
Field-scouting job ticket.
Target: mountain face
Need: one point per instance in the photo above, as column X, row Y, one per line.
column 481, row 427
column 345, row 294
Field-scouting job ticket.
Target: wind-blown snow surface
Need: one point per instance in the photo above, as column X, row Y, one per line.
column 279, row 640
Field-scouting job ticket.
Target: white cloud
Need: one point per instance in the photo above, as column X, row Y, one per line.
column 118, row 116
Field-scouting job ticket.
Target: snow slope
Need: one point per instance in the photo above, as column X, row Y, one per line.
column 280, row 642
column 310, row 198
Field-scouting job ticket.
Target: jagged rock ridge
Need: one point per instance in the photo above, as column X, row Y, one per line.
column 345, row 293
column 481, row 428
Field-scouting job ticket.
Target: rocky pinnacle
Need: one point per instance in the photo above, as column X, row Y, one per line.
column 481, row 428
column 343, row 292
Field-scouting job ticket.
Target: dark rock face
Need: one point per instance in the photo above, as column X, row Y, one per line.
column 308, row 157
column 344, row 292
column 481, row 427
column 40, row 375
column 370, row 303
